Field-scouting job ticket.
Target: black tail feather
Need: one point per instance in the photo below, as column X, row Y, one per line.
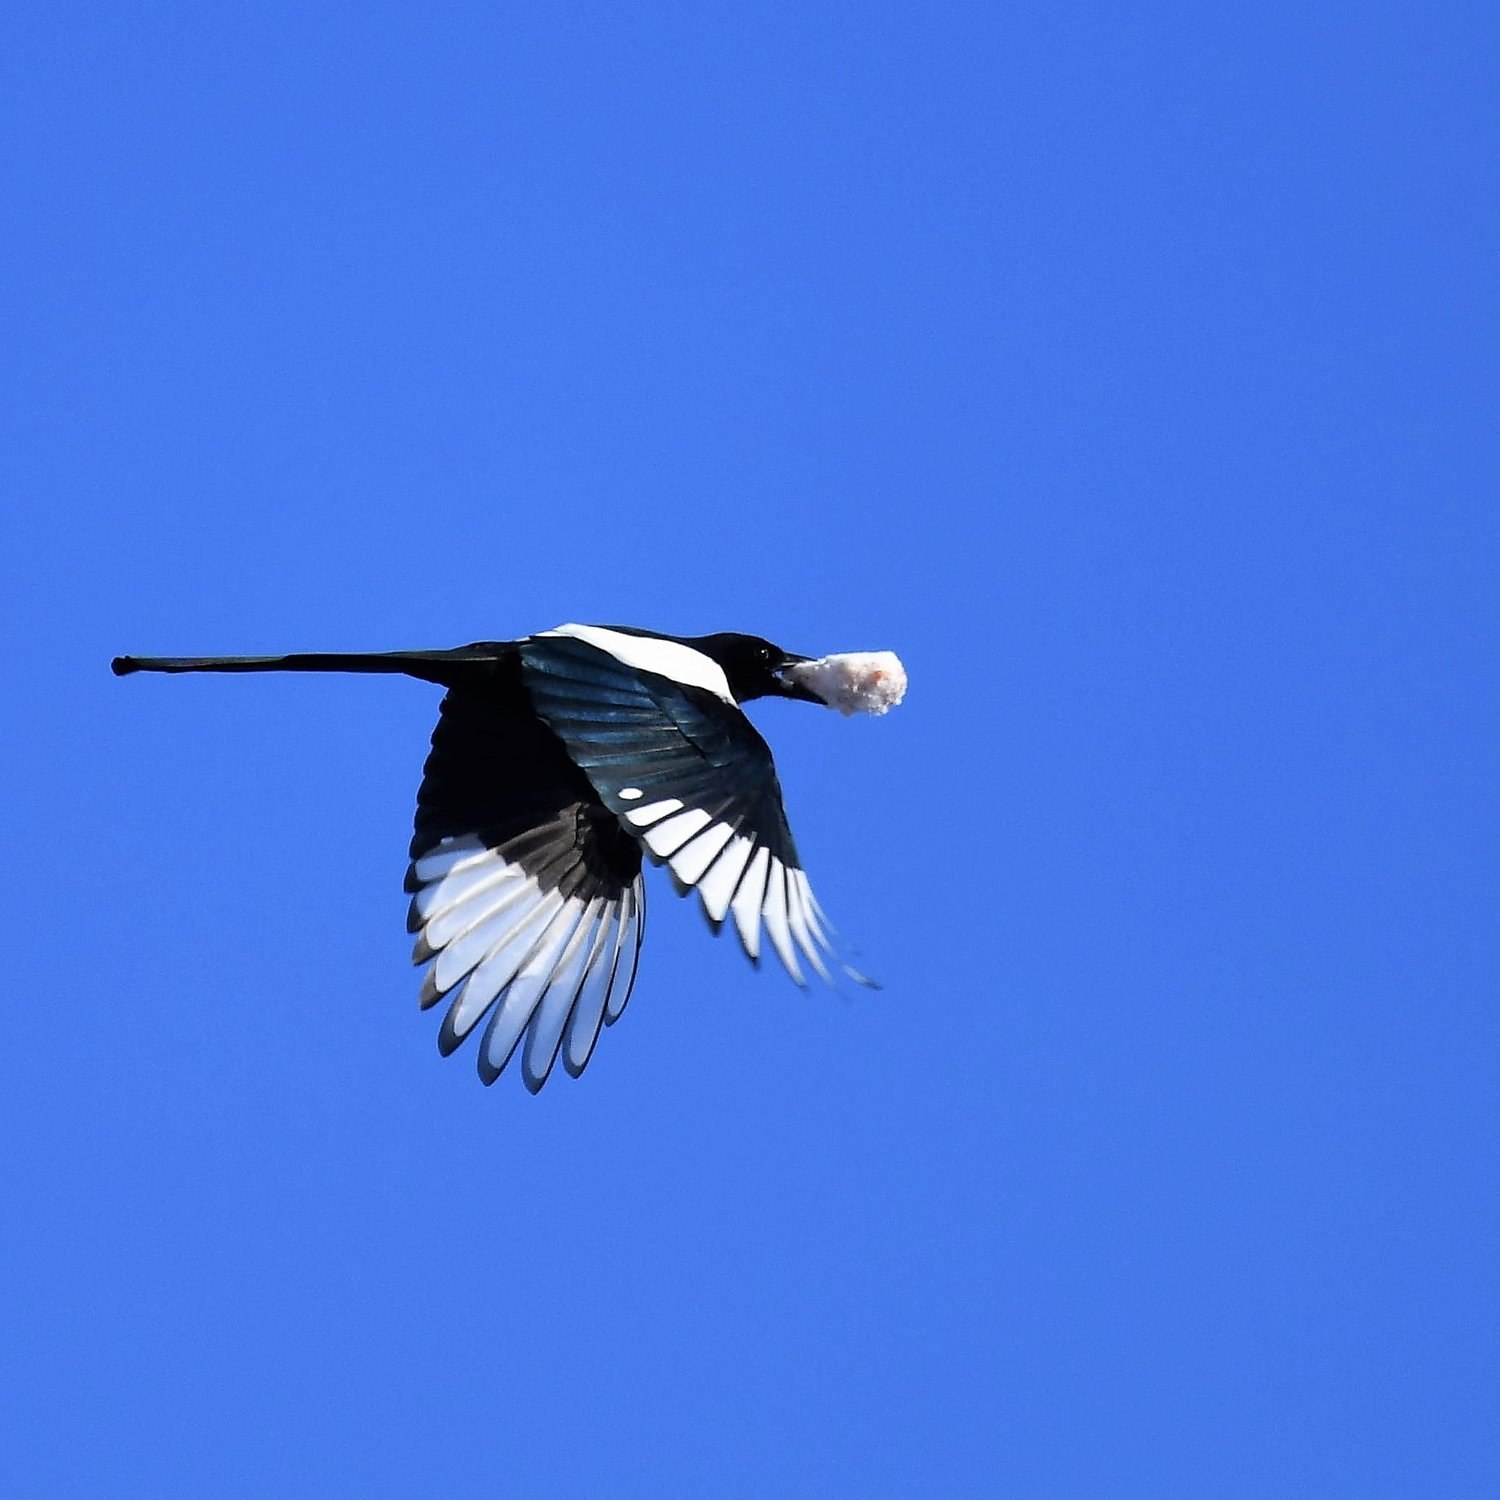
column 431, row 666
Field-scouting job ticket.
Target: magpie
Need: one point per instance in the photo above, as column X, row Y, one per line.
column 558, row 763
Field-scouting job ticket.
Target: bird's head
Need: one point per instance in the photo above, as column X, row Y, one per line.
column 754, row 667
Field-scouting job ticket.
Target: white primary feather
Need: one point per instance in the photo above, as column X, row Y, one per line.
column 718, row 886
column 632, row 931
column 667, row 838
column 587, row 1016
column 653, row 811
column 691, row 861
column 749, row 899
column 450, row 855
column 775, row 914
column 545, row 1035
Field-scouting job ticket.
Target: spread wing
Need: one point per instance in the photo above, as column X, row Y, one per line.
column 527, row 897
column 687, row 774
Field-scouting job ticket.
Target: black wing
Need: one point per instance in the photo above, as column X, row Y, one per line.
column 527, row 894
column 686, row 773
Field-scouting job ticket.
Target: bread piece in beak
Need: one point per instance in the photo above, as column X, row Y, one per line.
column 870, row 682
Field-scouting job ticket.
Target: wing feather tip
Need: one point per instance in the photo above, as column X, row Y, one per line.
column 484, row 1063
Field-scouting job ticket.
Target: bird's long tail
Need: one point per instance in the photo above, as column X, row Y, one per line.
column 433, row 666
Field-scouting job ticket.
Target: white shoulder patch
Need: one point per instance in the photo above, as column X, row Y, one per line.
column 650, row 653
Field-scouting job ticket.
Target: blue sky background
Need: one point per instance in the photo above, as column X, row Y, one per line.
column 1131, row 371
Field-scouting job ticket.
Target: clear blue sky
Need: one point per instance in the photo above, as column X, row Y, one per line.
column 1132, row 372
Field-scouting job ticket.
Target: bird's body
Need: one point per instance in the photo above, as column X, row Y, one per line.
column 558, row 762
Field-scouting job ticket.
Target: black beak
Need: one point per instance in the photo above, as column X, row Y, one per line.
column 788, row 687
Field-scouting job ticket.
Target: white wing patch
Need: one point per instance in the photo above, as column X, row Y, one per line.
column 735, row 876
column 649, row 653
column 528, row 962
column 666, row 838
column 690, row 864
column 643, row 817
column 719, row 882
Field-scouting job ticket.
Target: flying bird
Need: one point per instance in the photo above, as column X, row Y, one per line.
column 558, row 763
